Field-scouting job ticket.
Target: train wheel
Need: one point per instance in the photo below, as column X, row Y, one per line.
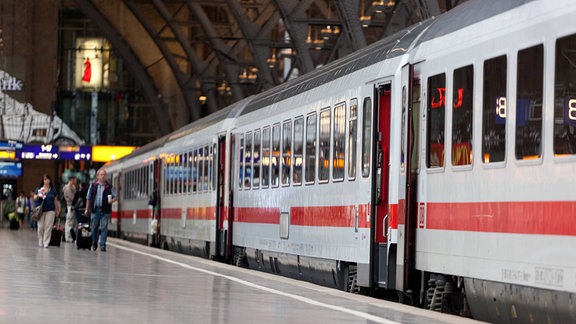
column 240, row 259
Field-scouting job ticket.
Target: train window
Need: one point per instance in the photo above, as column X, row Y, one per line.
column 256, row 160
column 206, row 180
column 310, row 162
column 179, row 173
column 463, row 95
column 339, row 144
column 201, row 174
column 366, row 136
column 248, row 160
column 184, row 172
column 241, row 163
column 195, row 172
column 286, row 151
column 494, row 110
column 352, row 133
column 211, row 171
column 275, row 162
column 565, row 97
column 298, row 150
column 324, row 146
column 265, row 157
column 435, row 121
column 190, row 172
column 529, row 92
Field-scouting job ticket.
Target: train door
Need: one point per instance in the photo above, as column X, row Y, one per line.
column 223, row 218
column 381, row 221
column 116, row 214
column 407, row 210
column 156, row 202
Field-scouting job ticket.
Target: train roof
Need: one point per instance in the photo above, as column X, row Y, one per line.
column 466, row 14
column 389, row 47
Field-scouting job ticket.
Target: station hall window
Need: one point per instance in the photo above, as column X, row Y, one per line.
column 494, row 110
column 435, row 123
column 463, row 95
column 529, row 92
column 310, row 164
column 565, row 97
column 366, row 136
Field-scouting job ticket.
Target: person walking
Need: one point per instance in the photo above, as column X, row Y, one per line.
column 29, row 206
column 68, row 192
column 46, row 195
column 99, row 201
column 21, row 209
column 79, row 202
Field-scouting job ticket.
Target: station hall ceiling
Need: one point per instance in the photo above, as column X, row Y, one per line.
column 194, row 57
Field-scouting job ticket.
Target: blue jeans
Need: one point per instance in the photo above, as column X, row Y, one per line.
column 99, row 219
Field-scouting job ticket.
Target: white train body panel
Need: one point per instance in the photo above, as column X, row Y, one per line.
column 507, row 221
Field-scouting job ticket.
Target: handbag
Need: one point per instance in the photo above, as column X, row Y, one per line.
column 36, row 212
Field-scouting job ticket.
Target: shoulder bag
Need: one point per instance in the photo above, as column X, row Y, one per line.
column 37, row 212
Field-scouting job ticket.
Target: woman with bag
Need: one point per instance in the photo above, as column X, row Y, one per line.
column 46, row 196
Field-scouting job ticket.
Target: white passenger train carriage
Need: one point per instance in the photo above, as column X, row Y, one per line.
column 435, row 166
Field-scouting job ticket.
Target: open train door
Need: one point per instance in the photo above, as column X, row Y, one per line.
column 407, row 280
column 381, row 221
column 156, row 203
column 223, row 216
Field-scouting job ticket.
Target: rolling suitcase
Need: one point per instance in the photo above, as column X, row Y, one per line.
column 56, row 238
column 83, row 236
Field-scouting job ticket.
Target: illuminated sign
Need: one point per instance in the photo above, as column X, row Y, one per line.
column 110, row 153
column 89, row 62
column 10, row 145
column 75, row 152
column 39, row 152
column 10, row 169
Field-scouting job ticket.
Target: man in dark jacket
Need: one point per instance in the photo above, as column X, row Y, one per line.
column 99, row 201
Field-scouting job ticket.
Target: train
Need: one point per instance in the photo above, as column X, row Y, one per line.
column 435, row 167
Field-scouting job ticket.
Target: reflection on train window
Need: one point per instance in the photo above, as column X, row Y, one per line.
column 324, row 147
column 240, row 162
column 462, row 94
column 275, row 162
column 265, row 157
column 248, row 160
column 366, row 136
column 212, row 178
column 201, row 173
column 190, row 172
column 194, row 171
column 206, row 180
column 565, row 97
column 310, row 162
column 435, row 121
column 256, row 160
column 286, row 151
column 339, row 144
column 184, row 172
column 530, row 80
column 494, row 110
column 352, row 133
column 298, row 150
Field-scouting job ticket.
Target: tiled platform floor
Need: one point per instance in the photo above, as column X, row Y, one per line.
column 131, row 283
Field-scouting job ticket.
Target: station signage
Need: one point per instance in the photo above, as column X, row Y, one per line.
column 75, row 152
column 10, row 169
column 39, row 152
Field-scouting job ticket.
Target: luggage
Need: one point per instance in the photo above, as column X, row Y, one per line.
column 83, row 236
column 14, row 224
column 56, row 238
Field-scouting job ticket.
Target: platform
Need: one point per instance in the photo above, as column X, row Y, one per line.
column 132, row 283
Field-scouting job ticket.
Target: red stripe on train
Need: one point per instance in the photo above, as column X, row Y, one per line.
column 549, row 218
column 334, row 216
